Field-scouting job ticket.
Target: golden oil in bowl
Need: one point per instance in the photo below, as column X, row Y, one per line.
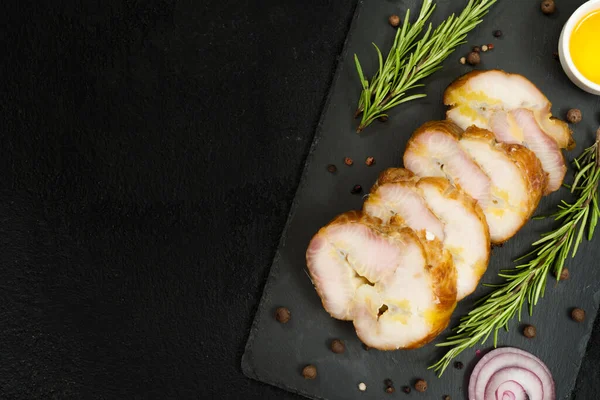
column 584, row 46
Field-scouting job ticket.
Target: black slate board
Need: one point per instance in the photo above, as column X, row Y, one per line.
column 276, row 353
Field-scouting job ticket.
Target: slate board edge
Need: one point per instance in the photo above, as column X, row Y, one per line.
column 247, row 367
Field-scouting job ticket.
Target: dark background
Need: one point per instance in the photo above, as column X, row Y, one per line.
column 149, row 155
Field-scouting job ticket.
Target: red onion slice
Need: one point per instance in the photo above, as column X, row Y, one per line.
column 529, row 376
column 511, row 390
column 529, row 383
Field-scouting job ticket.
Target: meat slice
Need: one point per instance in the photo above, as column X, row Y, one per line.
column 506, row 181
column 395, row 194
column 517, row 180
column 474, row 98
column 516, row 111
column 398, row 287
column 433, row 150
column 431, row 206
column 519, row 126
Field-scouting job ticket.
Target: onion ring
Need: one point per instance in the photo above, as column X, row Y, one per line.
column 511, row 374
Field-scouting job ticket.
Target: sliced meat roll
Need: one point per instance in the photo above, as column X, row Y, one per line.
column 517, row 178
column 433, row 150
column 397, row 287
column 506, row 182
column 516, row 111
column 474, row 97
column 434, row 208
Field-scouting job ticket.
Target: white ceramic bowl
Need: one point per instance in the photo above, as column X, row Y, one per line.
column 565, row 54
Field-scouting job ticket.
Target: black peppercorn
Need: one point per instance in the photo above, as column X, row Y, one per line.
column 498, row 33
column 337, row 346
column 406, row 389
column 332, row 168
column 548, row 7
column 282, row 315
column 529, row 331
column 394, row 20
column 420, row 385
column 564, row 274
column 473, row 58
column 574, row 116
column 476, row 49
column 578, row 315
column 357, row 189
column 309, row 372
column 458, row 365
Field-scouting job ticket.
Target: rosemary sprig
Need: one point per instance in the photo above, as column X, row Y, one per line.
column 527, row 281
column 402, row 71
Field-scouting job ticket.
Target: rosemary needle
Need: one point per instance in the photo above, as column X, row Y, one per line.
column 527, row 281
column 411, row 59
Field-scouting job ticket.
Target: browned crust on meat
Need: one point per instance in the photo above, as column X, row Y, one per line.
column 444, row 276
column 445, row 126
column 565, row 139
column 570, row 144
column 443, row 273
column 532, row 170
column 352, row 217
column 479, row 134
column 394, row 175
